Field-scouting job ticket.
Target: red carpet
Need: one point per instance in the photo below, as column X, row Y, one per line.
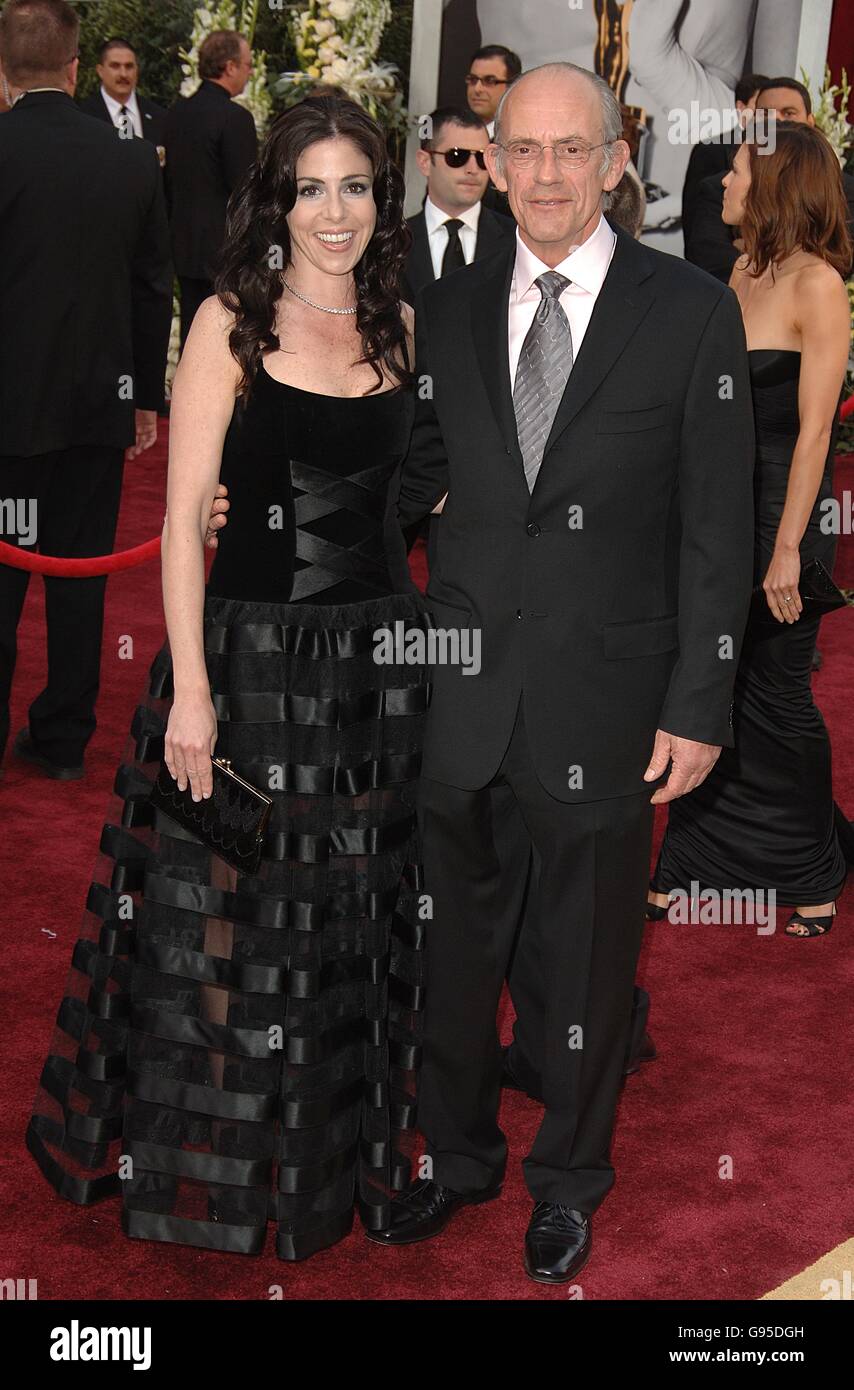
column 753, row 1034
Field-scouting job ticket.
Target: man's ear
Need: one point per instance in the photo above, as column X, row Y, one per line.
column 422, row 162
column 621, row 156
column 493, row 156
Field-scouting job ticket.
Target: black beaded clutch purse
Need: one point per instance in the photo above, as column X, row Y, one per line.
column 819, row 595
column 231, row 821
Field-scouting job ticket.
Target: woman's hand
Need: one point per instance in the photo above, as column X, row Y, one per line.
column 781, row 586
column 190, row 741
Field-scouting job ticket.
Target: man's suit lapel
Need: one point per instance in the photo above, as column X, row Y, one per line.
column 422, row 265
column 489, row 305
column 621, row 305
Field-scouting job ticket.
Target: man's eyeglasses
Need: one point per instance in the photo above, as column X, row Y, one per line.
column 455, row 158
column 570, row 154
column 473, row 78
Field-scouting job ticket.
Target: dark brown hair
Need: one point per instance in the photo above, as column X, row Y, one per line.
column 251, row 287
column 38, row 38
column 795, row 201
column 219, row 48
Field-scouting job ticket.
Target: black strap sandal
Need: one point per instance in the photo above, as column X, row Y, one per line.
column 815, row 926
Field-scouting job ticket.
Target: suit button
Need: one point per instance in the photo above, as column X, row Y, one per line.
column 532, row 528
column 519, row 613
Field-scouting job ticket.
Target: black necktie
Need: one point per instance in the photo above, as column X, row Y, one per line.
column 453, row 257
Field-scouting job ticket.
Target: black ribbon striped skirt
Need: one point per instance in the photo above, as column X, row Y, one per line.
column 233, row 1051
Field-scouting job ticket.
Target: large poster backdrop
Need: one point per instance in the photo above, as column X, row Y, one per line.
column 662, row 57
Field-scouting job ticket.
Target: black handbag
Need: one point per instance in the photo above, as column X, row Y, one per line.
column 818, row 593
column 231, row 821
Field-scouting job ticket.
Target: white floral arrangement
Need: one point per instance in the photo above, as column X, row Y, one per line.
column 224, row 15
column 831, row 120
column 337, row 42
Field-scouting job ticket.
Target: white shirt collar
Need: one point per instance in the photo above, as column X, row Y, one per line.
column 114, row 107
column 38, row 89
column 434, row 217
column 586, row 265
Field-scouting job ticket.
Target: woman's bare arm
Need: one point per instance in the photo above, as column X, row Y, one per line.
column 203, row 397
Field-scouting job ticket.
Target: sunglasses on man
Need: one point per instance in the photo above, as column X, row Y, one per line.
column 455, row 158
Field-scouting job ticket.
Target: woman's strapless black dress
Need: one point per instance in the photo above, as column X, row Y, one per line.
column 234, row 1050
column 765, row 817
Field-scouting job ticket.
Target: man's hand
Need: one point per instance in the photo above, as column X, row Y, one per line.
column 218, row 517
column 146, row 432
column 691, row 763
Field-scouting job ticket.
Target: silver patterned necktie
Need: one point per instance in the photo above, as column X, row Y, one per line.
column 542, row 373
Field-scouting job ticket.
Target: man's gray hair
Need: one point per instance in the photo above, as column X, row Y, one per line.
column 612, row 119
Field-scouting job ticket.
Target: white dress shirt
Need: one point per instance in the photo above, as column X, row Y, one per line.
column 132, row 105
column 586, row 266
column 437, row 232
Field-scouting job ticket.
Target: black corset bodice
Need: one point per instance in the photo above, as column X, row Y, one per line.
column 311, row 481
column 775, row 377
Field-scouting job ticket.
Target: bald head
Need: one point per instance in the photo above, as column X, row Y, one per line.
column 557, row 149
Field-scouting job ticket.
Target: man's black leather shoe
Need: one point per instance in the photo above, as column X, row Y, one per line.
column 425, row 1209
column 23, row 747
column 558, row 1243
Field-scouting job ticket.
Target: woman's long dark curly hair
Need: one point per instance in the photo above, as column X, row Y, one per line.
column 250, row 287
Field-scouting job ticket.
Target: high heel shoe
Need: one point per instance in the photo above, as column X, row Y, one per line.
column 815, row 926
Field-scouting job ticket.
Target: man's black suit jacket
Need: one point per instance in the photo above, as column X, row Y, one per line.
column 616, row 593
column 709, row 240
column 708, row 158
column 493, row 231
column 210, row 144
column 85, row 279
column 153, row 116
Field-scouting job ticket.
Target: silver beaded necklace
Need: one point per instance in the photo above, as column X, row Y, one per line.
column 325, row 307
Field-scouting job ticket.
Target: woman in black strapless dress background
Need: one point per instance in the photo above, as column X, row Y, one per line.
column 765, row 816
column 298, row 394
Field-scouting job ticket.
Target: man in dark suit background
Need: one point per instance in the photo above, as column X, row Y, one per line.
column 715, row 156
column 597, row 539
column 491, row 71
column 210, row 144
column 710, row 242
column 85, row 311
column 118, row 99
column 453, row 228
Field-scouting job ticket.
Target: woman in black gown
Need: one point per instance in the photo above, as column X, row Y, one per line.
column 234, row 1049
column 765, row 816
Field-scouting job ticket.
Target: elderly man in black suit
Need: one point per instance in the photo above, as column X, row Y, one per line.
column 453, row 228
column 118, row 99
column 210, row 144
column 709, row 241
column 590, row 430
column 85, row 311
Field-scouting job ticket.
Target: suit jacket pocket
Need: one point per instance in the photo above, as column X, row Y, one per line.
column 447, row 614
column 629, row 421
column 647, row 638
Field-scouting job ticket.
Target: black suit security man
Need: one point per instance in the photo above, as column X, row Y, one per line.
column 85, row 312
column 210, row 144
column 453, row 228
column 590, row 429
column 118, row 99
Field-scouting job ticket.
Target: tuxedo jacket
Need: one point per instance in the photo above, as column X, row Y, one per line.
column 210, row 144
column 709, row 240
column 708, row 158
column 493, row 231
column 153, row 116
column 614, row 596
column 85, row 279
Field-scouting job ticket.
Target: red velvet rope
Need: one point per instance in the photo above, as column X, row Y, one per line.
column 78, row 569
column 139, row 554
